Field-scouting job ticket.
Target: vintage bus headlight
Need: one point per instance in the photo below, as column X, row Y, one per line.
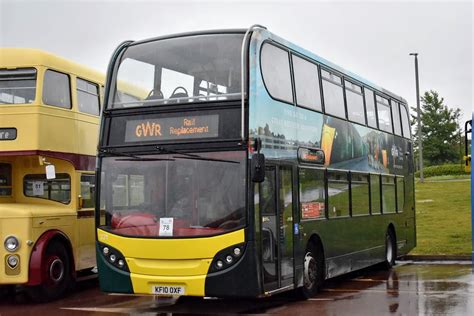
column 13, row 261
column 11, row 243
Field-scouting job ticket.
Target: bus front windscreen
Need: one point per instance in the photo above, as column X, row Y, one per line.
column 198, row 68
column 174, row 195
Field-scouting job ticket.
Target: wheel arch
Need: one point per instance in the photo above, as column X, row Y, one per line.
column 316, row 240
column 35, row 277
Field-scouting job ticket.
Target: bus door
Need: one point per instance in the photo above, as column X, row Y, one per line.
column 276, row 212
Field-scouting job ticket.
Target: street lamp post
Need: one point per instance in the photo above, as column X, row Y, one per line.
column 420, row 143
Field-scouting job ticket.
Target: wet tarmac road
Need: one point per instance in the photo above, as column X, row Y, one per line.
column 409, row 289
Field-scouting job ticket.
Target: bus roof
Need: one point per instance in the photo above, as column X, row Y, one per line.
column 31, row 57
column 290, row 45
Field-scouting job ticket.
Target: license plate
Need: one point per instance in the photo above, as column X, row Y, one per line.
column 169, row 290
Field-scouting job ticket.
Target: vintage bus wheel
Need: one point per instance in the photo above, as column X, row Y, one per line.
column 312, row 272
column 390, row 249
column 56, row 274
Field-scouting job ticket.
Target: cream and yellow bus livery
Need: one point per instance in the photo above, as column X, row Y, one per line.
column 49, row 116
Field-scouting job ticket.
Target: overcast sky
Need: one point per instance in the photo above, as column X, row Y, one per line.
column 372, row 39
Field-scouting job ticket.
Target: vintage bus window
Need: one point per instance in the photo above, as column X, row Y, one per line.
column 56, row 89
column 198, row 68
column 370, row 108
column 375, row 194
column 405, row 121
column 306, row 84
column 397, row 127
column 388, row 194
column 59, row 189
column 400, row 194
column 204, row 195
column 276, row 72
column 312, row 193
column 88, row 97
column 88, row 190
column 333, row 94
column 17, row 86
column 360, row 194
column 5, row 179
column 355, row 102
column 383, row 112
column 338, row 193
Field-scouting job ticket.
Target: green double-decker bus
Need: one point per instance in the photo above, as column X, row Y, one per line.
column 249, row 167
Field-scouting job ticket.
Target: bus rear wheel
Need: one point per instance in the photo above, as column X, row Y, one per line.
column 390, row 249
column 56, row 274
column 313, row 272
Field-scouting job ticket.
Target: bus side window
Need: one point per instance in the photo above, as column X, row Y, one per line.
column 312, row 193
column 87, row 97
column 306, row 84
column 370, row 108
column 57, row 89
column 405, row 121
column 375, row 193
column 338, row 193
column 333, row 94
column 360, row 194
column 88, row 190
column 400, row 194
column 5, row 179
column 396, row 118
column 355, row 102
column 276, row 72
column 388, row 194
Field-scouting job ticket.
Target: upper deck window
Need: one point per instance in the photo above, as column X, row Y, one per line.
column 56, row 89
column 17, row 86
column 355, row 102
column 383, row 111
column 333, row 94
column 370, row 108
column 405, row 121
column 88, row 97
column 396, row 118
column 276, row 72
column 199, row 68
column 307, row 84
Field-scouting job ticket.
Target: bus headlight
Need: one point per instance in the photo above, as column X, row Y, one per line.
column 11, row 243
column 13, row 261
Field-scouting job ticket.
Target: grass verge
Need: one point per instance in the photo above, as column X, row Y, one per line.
column 443, row 218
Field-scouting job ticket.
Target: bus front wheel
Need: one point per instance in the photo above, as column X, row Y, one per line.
column 313, row 271
column 56, row 274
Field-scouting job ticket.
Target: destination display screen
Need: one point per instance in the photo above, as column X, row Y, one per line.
column 7, row 133
column 172, row 128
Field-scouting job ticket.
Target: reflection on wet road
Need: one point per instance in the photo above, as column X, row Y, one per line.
column 409, row 289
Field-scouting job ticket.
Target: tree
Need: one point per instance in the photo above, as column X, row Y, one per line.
column 440, row 129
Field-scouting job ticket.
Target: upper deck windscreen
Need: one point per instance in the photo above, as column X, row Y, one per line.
column 17, row 86
column 198, row 68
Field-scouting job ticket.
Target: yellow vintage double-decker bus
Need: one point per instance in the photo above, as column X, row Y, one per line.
column 49, row 116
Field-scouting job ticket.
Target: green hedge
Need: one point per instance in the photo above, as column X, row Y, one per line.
column 442, row 170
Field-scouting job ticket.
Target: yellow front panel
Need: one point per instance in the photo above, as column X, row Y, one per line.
column 164, row 248
column 174, row 262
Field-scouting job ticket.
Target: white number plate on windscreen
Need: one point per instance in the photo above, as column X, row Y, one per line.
column 174, row 290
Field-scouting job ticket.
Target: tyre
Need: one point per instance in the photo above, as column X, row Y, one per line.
column 57, row 276
column 390, row 249
column 313, row 271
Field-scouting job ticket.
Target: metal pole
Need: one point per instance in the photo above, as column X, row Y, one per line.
column 418, row 117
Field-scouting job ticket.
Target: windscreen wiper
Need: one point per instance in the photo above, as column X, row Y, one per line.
column 131, row 157
column 191, row 156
